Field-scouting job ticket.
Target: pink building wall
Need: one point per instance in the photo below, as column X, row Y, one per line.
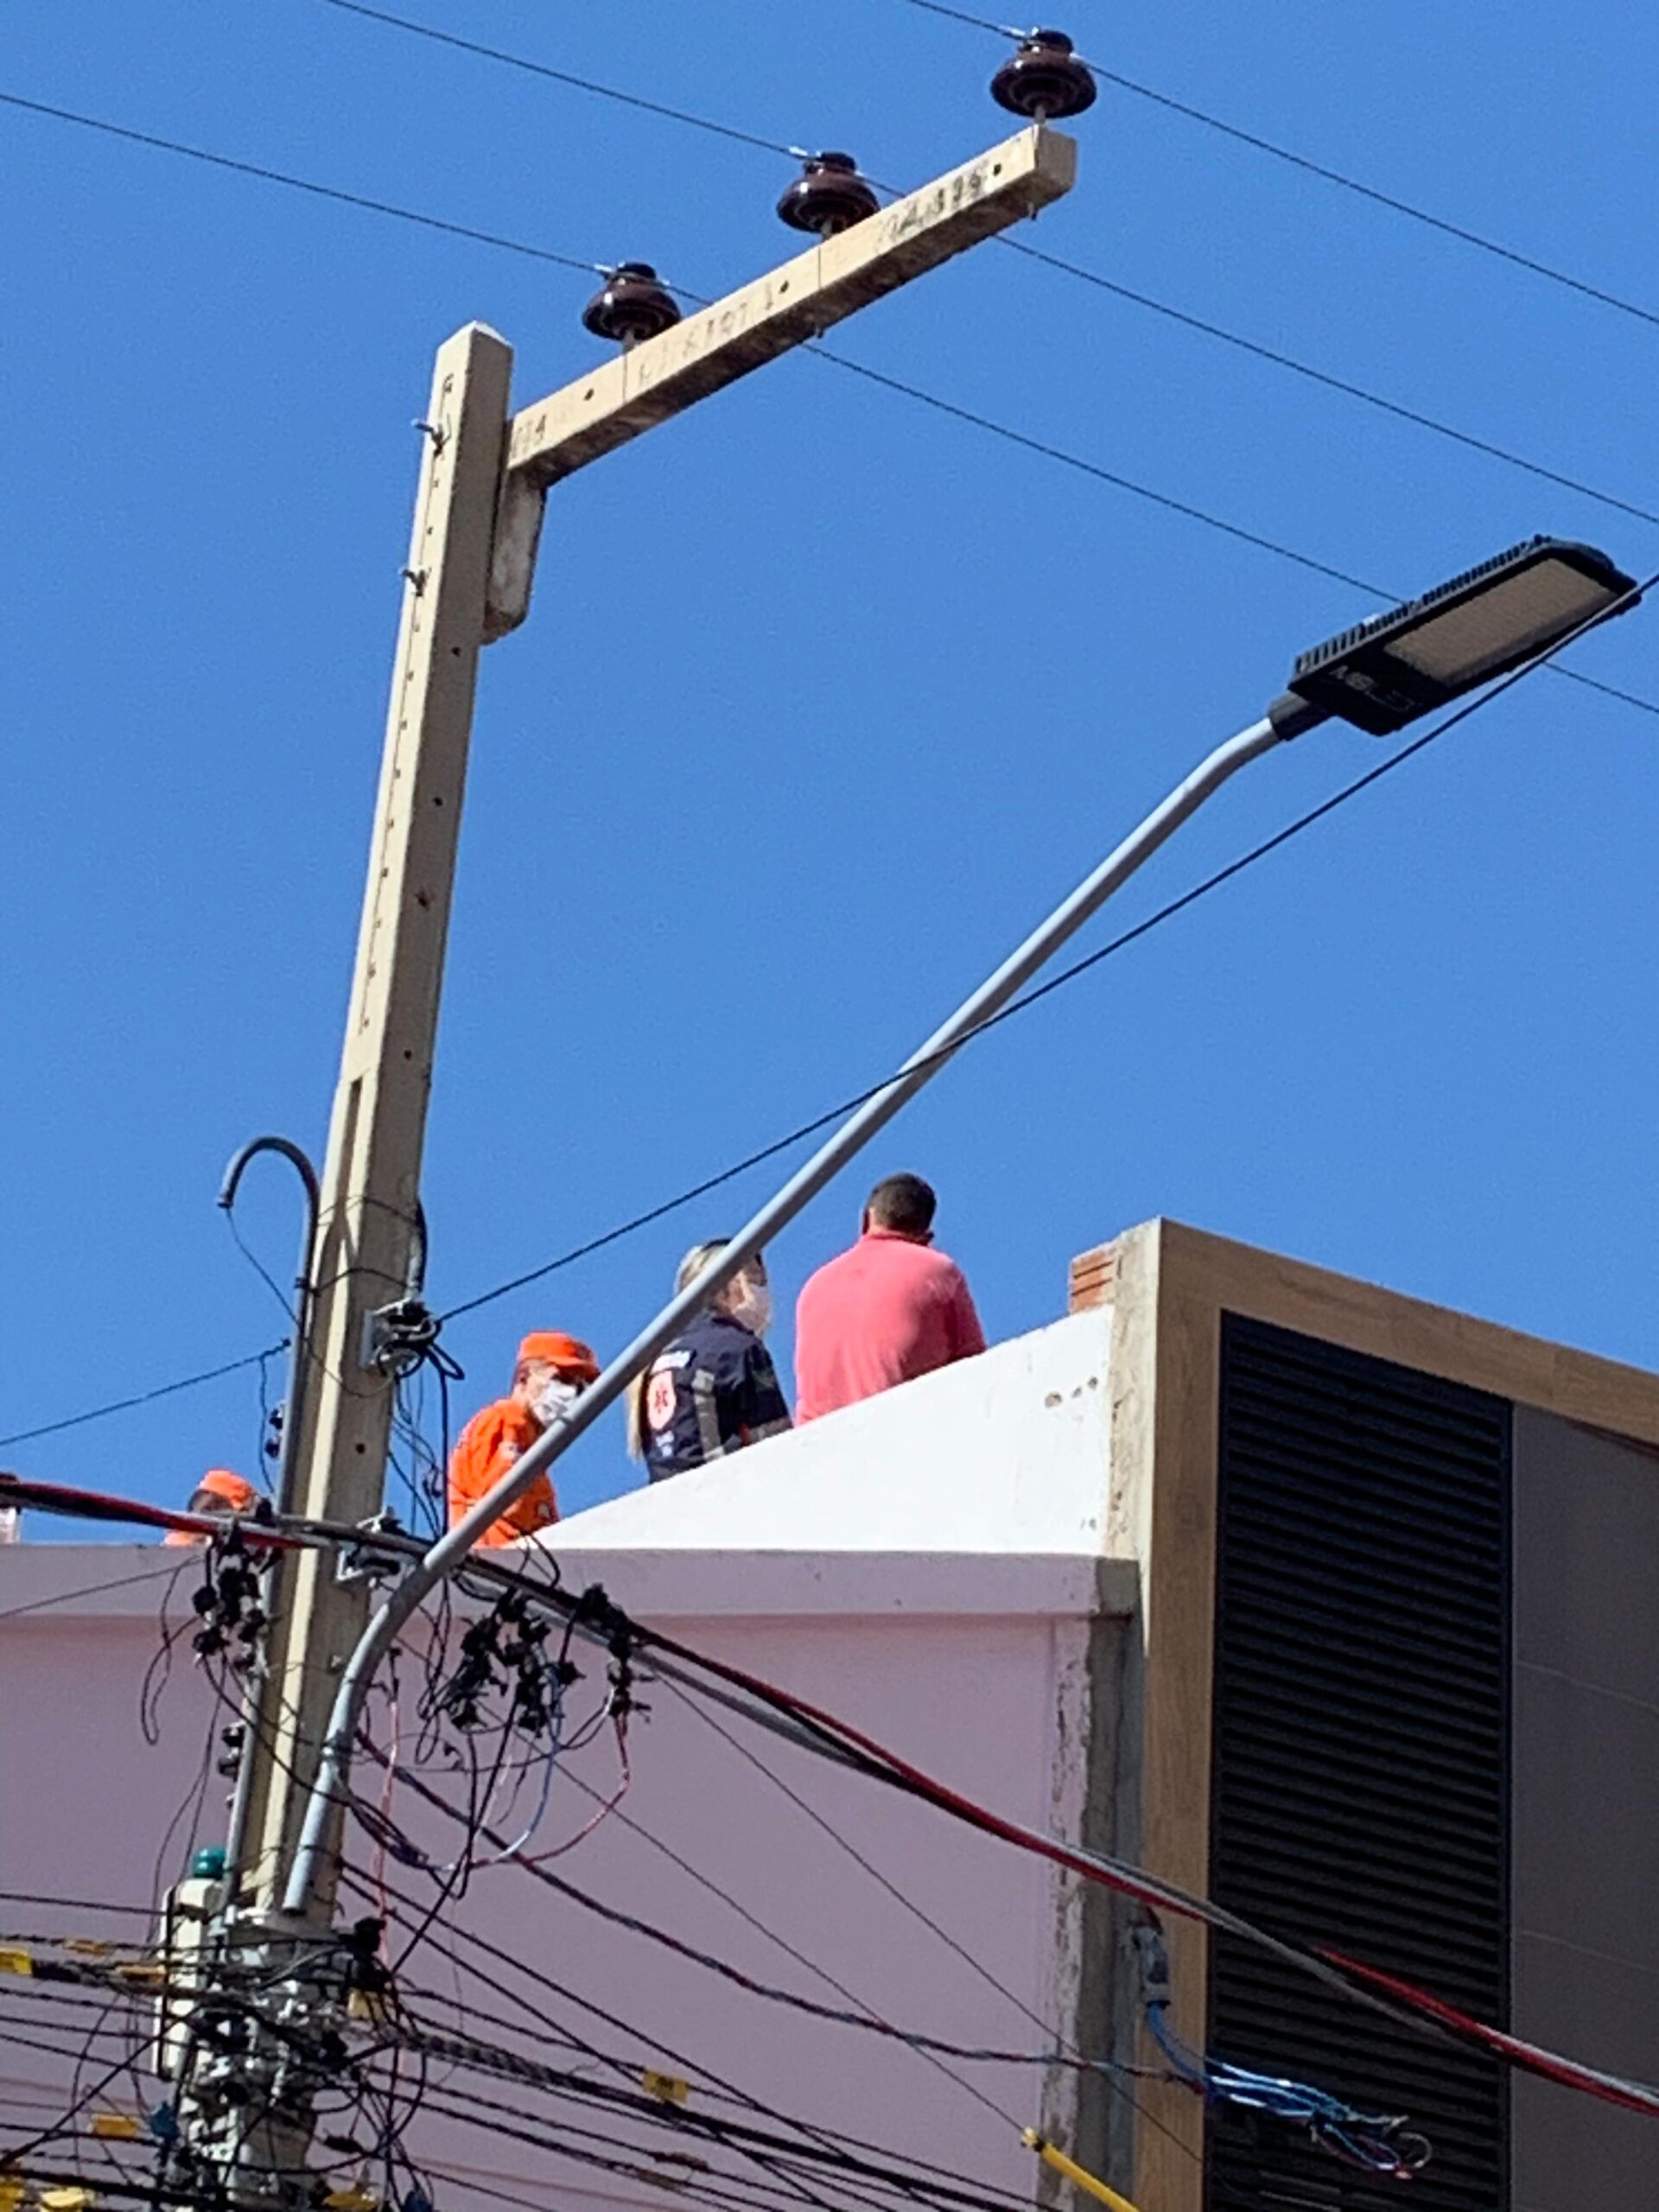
column 978, row 1663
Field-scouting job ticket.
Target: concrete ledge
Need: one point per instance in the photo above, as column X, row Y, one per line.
column 665, row 1585
column 41, row 1585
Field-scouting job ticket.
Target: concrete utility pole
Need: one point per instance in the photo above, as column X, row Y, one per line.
column 484, row 480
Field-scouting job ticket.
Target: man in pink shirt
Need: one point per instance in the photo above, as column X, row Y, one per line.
column 889, row 1310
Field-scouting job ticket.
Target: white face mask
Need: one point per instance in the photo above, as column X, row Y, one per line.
column 553, row 1397
column 752, row 1305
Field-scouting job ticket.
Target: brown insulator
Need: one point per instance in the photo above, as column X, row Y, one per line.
column 827, row 196
column 632, row 305
column 1044, row 80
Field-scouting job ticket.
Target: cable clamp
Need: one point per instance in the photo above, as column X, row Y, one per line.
column 398, row 1337
column 1152, row 1954
column 361, row 1560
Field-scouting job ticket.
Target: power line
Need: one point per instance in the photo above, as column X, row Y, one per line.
column 1349, row 390
column 144, row 1398
column 89, row 1590
column 1102, row 475
column 1493, row 246
column 1066, row 976
column 301, row 184
column 1067, row 459
column 566, row 77
column 899, row 386
column 969, row 416
column 1311, row 168
column 1277, row 359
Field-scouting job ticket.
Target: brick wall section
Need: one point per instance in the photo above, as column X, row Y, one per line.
column 1091, row 1278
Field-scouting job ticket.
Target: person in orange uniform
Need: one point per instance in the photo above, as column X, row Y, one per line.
column 552, row 1372
column 220, row 1493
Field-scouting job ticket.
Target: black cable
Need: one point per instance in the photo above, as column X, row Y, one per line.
column 1310, row 168
column 1102, row 475
column 1056, row 983
column 302, row 184
column 144, row 1398
column 864, row 2017
column 967, row 416
column 899, row 386
column 565, row 77
column 159, row 1672
column 1049, row 451
column 730, row 2135
column 90, row 1589
column 662, row 2049
column 718, row 129
column 1330, row 382
column 1439, row 223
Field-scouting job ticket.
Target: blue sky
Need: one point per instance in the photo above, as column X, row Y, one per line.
column 825, row 699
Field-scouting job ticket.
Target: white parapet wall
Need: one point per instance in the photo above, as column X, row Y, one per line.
column 1006, row 1453
column 929, row 1565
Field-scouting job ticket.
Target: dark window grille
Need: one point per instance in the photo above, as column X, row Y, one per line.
column 1360, row 1774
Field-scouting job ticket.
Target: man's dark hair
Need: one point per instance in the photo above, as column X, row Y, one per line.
column 904, row 1203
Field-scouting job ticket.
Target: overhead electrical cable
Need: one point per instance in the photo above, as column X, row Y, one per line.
column 863, row 2018
column 1460, row 231
column 1127, row 293
column 1279, row 359
column 1059, row 980
column 1359, row 1983
column 85, row 1590
column 899, row 386
column 293, row 183
column 567, row 77
column 143, row 1397
column 1043, row 990
column 699, row 2074
column 1399, row 1999
column 1049, row 451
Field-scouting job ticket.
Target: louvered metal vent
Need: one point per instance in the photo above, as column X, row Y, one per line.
column 1360, row 1787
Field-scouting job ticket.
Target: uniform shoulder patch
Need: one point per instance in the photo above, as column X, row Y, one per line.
column 661, row 1397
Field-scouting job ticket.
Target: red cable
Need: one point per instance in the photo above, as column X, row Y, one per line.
column 1612, row 2089
column 1631, row 2095
column 99, row 1505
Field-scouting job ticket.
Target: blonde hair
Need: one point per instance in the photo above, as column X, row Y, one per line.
column 688, row 1271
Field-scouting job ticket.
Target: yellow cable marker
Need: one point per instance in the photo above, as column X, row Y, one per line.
column 66, row 2200
column 117, row 2126
column 15, row 1962
column 1084, row 2180
column 668, row 2086
column 12, row 2190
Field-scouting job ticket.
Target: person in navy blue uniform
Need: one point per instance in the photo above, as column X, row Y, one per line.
column 715, row 1389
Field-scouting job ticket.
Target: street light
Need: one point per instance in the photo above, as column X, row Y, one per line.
column 1476, row 626
column 1383, row 673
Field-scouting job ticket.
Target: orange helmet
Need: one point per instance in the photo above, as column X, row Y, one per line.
column 241, row 1497
column 559, row 1350
column 235, row 1495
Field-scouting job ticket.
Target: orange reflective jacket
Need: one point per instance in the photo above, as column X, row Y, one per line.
column 489, row 1445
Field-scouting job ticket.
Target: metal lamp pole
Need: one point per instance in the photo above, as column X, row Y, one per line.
column 1287, row 717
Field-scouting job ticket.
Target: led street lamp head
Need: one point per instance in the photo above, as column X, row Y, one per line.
column 1387, row 671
